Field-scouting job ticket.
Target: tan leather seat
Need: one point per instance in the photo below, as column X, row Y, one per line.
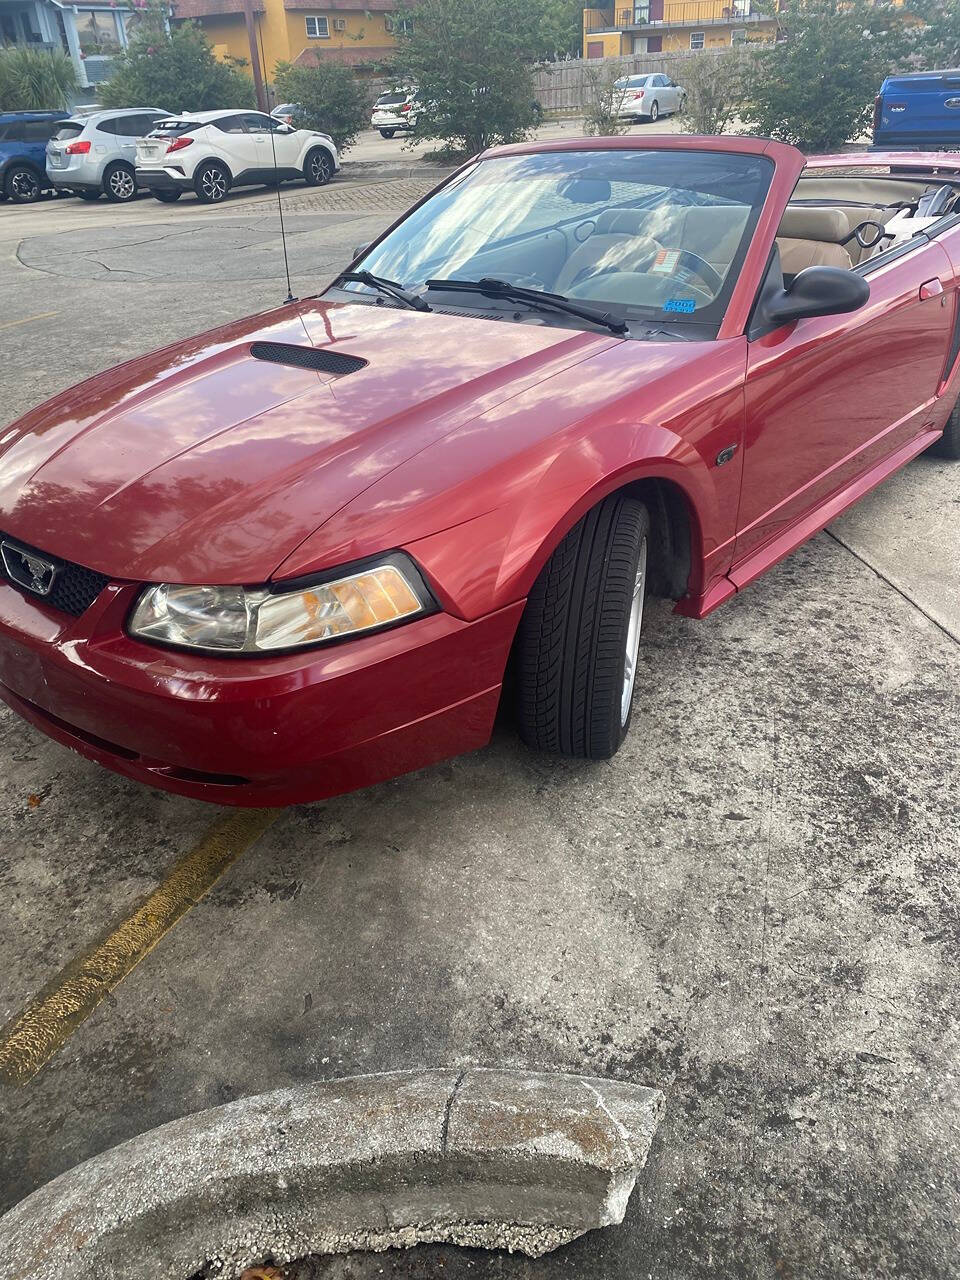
column 622, row 240
column 712, row 232
column 810, row 237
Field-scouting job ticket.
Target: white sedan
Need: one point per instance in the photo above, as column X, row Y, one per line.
column 647, row 97
column 209, row 152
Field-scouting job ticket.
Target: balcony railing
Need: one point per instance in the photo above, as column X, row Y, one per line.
column 690, row 13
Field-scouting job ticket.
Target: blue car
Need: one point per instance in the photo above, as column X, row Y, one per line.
column 918, row 112
column 23, row 152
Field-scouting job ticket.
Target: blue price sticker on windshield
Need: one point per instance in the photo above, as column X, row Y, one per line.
column 684, row 305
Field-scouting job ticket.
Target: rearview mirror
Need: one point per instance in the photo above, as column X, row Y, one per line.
column 816, row 291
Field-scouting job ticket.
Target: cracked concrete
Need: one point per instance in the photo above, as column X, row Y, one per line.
column 753, row 907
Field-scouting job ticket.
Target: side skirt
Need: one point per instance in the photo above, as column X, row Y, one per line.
column 778, row 548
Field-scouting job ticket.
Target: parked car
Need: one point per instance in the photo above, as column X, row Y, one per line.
column 211, row 151
column 287, row 112
column 294, row 556
column 395, row 112
column 23, row 147
column 96, row 154
column 648, row 97
column 918, row 111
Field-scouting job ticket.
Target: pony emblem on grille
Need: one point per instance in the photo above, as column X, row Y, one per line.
column 27, row 569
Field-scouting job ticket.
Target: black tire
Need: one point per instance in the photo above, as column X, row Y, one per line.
column 211, row 181
column 318, row 167
column 166, row 197
column 654, row 111
column 387, row 133
column 948, row 446
column 571, row 643
column 90, row 195
column 22, row 184
column 119, row 183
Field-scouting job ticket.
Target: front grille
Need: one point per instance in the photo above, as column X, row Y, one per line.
column 307, row 357
column 74, row 588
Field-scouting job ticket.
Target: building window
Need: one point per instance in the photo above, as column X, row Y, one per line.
column 318, row 28
column 641, row 11
column 97, row 32
column 741, row 8
column 738, row 35
column 696, row 40
column 398, row 26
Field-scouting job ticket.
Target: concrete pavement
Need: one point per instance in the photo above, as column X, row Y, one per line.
column 752, row 907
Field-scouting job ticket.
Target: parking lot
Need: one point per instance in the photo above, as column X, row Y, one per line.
column 752, row 907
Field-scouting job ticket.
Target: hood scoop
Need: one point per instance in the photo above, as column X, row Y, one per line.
column 321, row 361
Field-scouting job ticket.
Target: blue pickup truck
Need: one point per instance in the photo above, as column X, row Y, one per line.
column 920, row 111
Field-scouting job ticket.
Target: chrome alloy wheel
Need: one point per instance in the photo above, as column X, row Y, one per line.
column 633, row 634
column 24, row 186
column 122, row 184
column 213, row 184
column 321, row 168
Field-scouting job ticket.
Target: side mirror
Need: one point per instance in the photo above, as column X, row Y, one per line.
column 816, row 291
column 286, row 128
column 359, row 250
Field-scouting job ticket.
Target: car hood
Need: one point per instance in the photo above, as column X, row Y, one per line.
column 204, row 463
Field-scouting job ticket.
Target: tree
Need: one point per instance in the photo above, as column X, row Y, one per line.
column 35, row 80
column 471, row 63
column 816, row 88
column 934, row 42
column 330, row 98
column 714, row 86
column 558, row 30
column 176, row 71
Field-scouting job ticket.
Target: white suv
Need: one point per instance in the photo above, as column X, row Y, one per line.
column 395, row 111
column 211, row 151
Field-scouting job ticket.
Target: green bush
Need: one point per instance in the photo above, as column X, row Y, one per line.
column 471, row 63
column 35, row 79
column 604, row 99
column 714, row 85
column 330, row 97
column 816, row 88
column 176, row 71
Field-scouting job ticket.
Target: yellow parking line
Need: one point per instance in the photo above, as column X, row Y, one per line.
column 44, row 315
column 31, row 1039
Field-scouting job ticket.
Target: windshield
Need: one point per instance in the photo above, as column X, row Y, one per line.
column 643, row 233
column 390, row 99
column 173, row 128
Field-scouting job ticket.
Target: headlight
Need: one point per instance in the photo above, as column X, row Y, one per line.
column 379, row 594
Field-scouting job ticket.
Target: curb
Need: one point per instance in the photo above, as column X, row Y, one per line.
column 492, row 1159
column 374, row 171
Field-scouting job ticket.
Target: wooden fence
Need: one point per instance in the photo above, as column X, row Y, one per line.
column 566, row 86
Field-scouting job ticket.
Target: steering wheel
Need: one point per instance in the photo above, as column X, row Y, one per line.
column 858, row 234
column 691, row 267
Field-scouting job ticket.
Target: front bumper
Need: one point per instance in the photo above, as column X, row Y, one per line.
column 162, row 180
column 282, row 730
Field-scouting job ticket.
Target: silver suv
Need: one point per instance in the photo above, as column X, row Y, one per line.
column 96, row 154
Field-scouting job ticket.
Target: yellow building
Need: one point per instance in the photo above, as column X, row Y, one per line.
column 360, row 33
column 676, row 26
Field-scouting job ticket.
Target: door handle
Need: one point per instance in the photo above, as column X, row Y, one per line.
column 930, row 289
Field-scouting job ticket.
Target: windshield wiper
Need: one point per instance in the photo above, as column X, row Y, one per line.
column 389, row 287
column 493, row 288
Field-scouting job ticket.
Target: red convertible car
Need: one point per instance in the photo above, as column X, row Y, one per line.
column 296, row 555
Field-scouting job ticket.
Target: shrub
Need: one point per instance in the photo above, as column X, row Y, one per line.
column 816, row 88
column 714, row 86
column 176, row 71
column 471, row 63
column 34, row 79
column 331, row 99
column 604, row 98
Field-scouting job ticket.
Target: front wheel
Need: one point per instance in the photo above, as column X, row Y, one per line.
column 387, row 133
column 211, row 182
column 119, row 183
column 318, row 169
column 948, row 446
column 21, row 184
column 579, row 637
